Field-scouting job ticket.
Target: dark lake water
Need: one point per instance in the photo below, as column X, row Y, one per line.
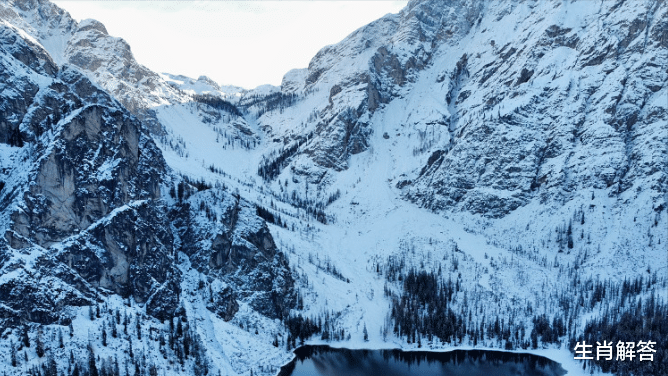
column 323, row 360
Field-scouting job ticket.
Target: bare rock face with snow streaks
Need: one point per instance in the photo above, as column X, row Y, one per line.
column 84, row 189
column 506, row 144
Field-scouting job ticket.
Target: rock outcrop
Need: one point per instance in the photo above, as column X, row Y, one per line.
column 553, row 107
column 85, row 204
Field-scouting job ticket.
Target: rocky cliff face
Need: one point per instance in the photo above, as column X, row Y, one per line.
column 484, row 88
column 106, row 60
column 562, row 106
column 527, row 101
column 480, row 139
column 374, row 65
column 86, row 204
column 238, row 248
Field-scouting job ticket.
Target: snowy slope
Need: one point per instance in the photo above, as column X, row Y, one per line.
column 509, row 137
column 517, row 148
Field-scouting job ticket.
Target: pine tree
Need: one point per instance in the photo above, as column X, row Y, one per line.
column 161, row 339
column 179, row 329
column 16, row 138
column 24, row 336
column 104, row 334
column 569, row 234
column 186, row 344
column 12, row 350
column 181, row 191
column 534, row 339
column 117, row 370
column 51, row 367
column 61, row 344
column 114, row 329
column 138, row 325
column 39, row 345
column 92, row 367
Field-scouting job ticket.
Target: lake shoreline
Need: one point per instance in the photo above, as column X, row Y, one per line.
column 560, row 357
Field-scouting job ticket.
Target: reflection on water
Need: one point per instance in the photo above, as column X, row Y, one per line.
column 326, row 361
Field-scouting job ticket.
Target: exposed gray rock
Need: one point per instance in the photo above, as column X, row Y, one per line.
column 224, row 304
column 238, row 249
column 499, row 159
column 86, row 212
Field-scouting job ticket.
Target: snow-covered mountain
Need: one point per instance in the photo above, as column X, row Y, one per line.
column 515, row 152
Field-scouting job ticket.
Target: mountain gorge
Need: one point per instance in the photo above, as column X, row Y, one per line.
column 500, row 165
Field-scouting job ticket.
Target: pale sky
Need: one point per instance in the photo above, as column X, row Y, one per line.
column 244, row 43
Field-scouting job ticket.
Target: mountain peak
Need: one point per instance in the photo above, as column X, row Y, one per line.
column 91, row 24
column 519, row 148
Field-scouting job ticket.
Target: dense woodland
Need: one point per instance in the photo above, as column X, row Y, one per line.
column 272, row 165
column 633, row 320
column 431, row 308
column 266, row 103
column 217, row 103
column 425, row 310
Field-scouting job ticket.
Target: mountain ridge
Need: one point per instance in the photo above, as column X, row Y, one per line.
column 520, row 165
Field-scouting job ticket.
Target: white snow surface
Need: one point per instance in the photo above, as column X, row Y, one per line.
column 370, row 221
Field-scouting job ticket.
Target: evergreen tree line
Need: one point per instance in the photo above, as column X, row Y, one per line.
column 235, row 140
column 328, row 267
column 429, row 308
column 426, row 309
column 178, row 145
column 270, row 217
column 302, row 328
column 15, row 137
column 217, row 103
column 271, row 167
column 270, row 102
column 422, row 309
column 219, row 171
column 187, row 187
column 642, row 320
column 312, row 208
